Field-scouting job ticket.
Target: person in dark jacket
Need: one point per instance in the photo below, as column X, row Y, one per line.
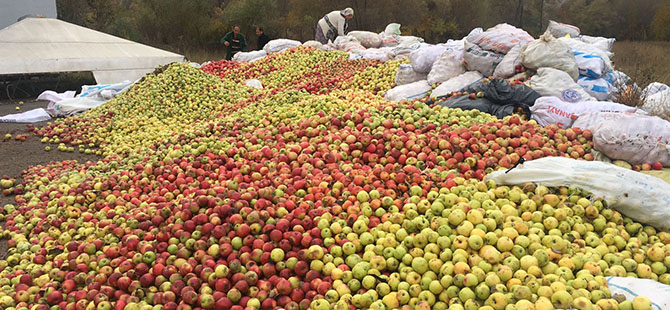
column 234, row 42
column 262, row 38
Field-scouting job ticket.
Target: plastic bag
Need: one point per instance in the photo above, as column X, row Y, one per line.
column 368, row 39
column 552, row 82
column 249, row 56
column 641, row 197
column 278, row 45
column 423, row 58
column 658, row 293
column 254, row 83
column 507, row 67
column 500, row 38
column 481, row 104
column 604, row 44
column 637, row 139
column 502, row 92
column 559, row 30
column 410, row 91
column 457, row 83
column 392, row 29
column 551, row 53
column 554, row 111
column 406, row 74
column 477, row 59
column 446, row 66
column 32, row 116
column 597, row 87
column 658, row 104
column 104, row 91
column 314, row 44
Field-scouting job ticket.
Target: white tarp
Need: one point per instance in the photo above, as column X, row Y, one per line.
column 45, row 45
column 641, row 197
column 91, row 96
column 32, row 116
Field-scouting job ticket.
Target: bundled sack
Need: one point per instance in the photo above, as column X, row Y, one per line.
column 480, row 104
column 477, row 59
column 375, row 53
column 406, row 74
column 552, row 82
column 388, row 40
column 410, row 91
column 641, row 197
column 249, row 56
column 637, row 139
column 559, row 30
column 590, row 65
column 500, row 38
column 658, row 293
column 348, row 44
column 446, row 66
column 314, row 44
column 589, row 120
column 406, row 46
column 618, row 80
column 589, row 57
column 507, row 67
column 599, row 88
column 366, row 38
column 278, row 45
column 392, row 29
column 551, row 53
column 423, row 58
column 658, row 104
column 604, row 44
column 553, row 111
column 501, row 92
column 457, row 83
column 653, row 88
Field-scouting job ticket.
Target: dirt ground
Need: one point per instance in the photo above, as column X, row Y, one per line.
column 15, row 156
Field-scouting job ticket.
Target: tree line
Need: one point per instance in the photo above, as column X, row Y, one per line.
column 199, row 24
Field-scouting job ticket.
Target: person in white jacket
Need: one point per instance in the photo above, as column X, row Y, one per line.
column 332, row 25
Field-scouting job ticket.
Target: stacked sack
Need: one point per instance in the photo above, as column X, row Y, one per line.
column 595, row 68
column 486, row 50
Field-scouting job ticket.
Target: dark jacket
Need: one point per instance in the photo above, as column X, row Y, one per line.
column 238, row 44
column 262, row 40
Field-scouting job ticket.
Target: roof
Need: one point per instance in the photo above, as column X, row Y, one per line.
column 46, row 45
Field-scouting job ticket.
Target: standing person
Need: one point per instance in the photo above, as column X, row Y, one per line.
column 262, row 38
column 234, row 42
column 332, row 25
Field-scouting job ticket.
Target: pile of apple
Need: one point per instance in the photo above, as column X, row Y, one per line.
column 312, row 192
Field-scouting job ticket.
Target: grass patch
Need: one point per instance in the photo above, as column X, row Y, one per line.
column 644, row 62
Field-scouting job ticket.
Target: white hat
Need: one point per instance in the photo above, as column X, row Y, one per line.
column 348, row 12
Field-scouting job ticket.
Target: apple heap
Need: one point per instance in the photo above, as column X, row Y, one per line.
column 482, row 246
column 209, row 194
column 308, row 70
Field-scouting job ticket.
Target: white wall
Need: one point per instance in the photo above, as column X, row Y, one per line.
column 12, row 10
